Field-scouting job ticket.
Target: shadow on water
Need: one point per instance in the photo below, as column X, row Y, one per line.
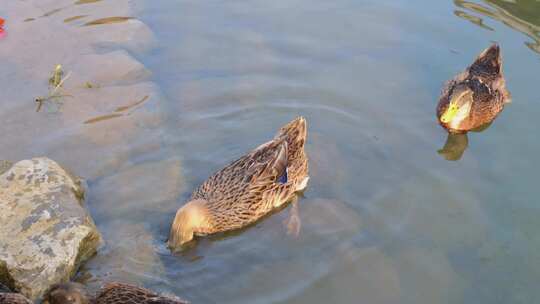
column 520, row 15
column 457, row 143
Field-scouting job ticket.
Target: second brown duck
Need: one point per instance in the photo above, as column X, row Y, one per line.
column 476, row 96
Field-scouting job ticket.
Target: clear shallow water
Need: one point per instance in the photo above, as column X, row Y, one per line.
column 386, row 218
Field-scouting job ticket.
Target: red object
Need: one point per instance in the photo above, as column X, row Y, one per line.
column 2, row 31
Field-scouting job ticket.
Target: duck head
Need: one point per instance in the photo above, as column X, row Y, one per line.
column 459, row 106
column 68, row 293
column 192, row 218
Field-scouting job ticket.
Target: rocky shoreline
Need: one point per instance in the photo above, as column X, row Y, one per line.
column 46, row 231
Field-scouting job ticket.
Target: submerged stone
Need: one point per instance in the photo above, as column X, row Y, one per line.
column 45, row 230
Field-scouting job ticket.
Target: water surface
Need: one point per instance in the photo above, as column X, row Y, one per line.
column 386, row 218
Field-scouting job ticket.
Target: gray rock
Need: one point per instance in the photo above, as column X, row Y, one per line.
column 45, row 230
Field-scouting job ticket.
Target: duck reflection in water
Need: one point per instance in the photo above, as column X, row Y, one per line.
column 454, row 147
column 472, row 100
column 457, row 143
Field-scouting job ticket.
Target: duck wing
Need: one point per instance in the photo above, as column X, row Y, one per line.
column 271, row 162
column 487, row 65
column 295, row 134
column 487, row 68
column 265, row 164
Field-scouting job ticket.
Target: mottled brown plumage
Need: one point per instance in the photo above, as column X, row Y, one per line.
column 248, row 188
column 9, row 297
column 118, row 293
column 112, row 293
column 478, row 94
column 13, row 298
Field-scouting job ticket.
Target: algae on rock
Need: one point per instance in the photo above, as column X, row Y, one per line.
column 45, row 230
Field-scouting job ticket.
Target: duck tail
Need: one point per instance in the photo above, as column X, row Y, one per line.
column 490, row 60
column 295, row 133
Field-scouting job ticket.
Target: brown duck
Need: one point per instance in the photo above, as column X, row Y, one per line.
column 476, row 96
column 9, row 297
column 112, row 293
column 247, row 189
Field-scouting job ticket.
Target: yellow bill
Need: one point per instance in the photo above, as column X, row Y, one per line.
column 450, row 113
